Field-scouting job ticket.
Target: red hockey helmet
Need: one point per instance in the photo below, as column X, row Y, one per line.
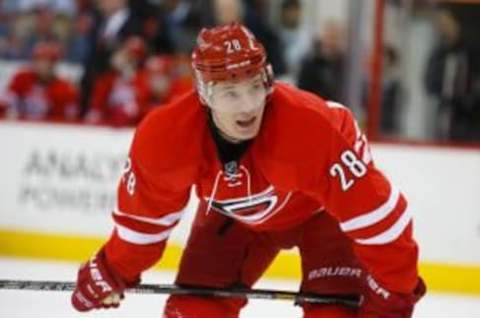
column 229, row 52
column 47, row 51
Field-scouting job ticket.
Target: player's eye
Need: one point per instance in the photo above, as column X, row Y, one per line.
column 257, row 87
column 231, row 94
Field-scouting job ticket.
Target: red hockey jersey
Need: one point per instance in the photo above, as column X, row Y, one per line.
column 31, row 99
column 120, row 101
column 309, row 157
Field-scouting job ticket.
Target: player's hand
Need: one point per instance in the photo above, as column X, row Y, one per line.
column 380, row 303
column 98, row 286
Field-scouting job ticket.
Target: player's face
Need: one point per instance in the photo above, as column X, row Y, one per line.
column 237, row 107
column 43, row 67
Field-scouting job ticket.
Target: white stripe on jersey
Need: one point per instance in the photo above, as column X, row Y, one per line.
column 135, row 237
column 166, row 220
column 391, row 234
column 332, row 104
column 370, row 218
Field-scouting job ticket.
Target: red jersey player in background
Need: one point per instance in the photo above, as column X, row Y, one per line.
column 165, row 81
column 36, row 92
column 274, row 167
column 120, row 95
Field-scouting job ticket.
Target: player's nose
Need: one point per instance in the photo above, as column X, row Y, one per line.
column 249, row 104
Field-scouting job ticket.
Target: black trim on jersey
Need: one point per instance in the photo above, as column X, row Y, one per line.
column 228, row 152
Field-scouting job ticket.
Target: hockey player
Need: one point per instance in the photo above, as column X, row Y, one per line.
column 36, row 92
column 274, row 167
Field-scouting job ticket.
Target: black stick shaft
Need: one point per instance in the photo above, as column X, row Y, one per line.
column 178, row 290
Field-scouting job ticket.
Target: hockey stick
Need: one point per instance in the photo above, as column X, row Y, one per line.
column 351, row 301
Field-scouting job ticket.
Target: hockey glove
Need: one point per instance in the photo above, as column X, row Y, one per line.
column 98, row 286
column 380, row 303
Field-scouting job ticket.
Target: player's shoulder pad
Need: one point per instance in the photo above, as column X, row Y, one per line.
column 303, row 119
column 169, row 137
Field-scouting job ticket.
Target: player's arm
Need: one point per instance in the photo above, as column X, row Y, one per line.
column 149, row 206
column 374, row 213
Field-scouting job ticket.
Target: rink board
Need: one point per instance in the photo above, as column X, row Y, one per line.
column 58, row 185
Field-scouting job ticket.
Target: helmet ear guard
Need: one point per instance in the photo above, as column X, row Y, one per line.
column 269, row 78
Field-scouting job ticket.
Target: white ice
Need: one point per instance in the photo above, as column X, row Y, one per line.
column 40, row 304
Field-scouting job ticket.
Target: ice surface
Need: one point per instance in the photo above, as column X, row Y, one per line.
column 40, row 304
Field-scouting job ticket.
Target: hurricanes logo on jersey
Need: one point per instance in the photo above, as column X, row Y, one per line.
column 253, row 209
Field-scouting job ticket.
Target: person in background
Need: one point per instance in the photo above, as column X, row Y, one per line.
column 322, row 70
column 182, row 19
column 45, row 25
column 160, row 72
column 6, row 19
column 20, row 31
column 449, row 79
column 120, row 94
column 37, row 92
column 165, row 83
column 114, row 23
column 295, row 38
column 78, row 46
column 391, row 93
column 153, row 23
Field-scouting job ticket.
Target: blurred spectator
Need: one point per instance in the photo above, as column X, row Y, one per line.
column 4, row 30
column 120, row 94
column 61, row 6
column 184, row 19
column 78, row 47
column 41, row 28
column 164, row 81
column 3, row 20
column 156, row 34
column 160, row 72
column 30, row 22
column 391, row 93
column 19, row 30
column 294, row 36
column 36, row 92
column 81, row 27
column 227, row 11
column 257, row 20
column 154, row 27
column 322, row 70
column 112, row 26
column 449, row 78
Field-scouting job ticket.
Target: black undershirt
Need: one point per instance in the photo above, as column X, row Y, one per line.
column 228, row 152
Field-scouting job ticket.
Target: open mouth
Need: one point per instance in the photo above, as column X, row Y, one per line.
column 245, row 123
